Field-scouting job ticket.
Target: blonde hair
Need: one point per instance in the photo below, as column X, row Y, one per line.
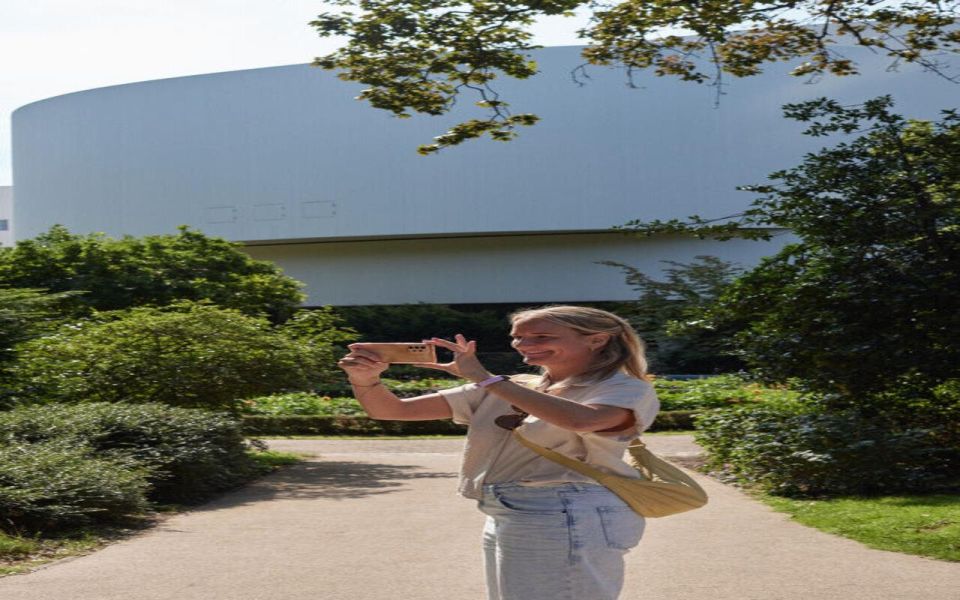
column 624, row 351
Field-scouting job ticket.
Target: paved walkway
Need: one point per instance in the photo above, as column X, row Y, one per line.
column 379, row 520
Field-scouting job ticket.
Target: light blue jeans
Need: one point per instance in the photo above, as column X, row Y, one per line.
column 558, row 542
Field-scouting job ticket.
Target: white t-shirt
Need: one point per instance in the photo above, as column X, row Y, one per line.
column 491, row 455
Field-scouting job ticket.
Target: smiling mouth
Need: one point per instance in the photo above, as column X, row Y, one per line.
column 536, row 354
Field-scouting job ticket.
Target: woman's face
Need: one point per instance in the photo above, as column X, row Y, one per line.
column 555, row 347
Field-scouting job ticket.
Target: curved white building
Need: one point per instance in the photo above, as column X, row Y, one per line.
column 286, row 161
column 6, row 214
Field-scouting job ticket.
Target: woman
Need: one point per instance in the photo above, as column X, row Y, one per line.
column 551, row 533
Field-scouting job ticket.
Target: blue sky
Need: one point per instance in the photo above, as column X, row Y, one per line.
column 53, row 47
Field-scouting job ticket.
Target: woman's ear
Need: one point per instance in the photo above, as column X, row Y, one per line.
column 599, row 340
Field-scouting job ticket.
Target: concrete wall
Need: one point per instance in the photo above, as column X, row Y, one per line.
column 509, row 268
column 285, row 160
column 286, row 153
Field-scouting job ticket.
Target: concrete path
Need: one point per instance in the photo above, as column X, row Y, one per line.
column 379, row 520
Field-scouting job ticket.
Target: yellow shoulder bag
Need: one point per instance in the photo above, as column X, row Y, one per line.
column 662, row 489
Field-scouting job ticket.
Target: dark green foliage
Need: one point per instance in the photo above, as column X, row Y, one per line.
column 861, row 313
column 418, row 56
column 720, row 391
column 403, row 388
column 185, row 355
column 674, row 420
column 327, row 425
column 52, row 485
column 414, row 322
column 324, row 334
column 680, row 401
column 311, row 413
column 303, row 403
column 802, row 451
column 867, row 297
column 153, row 270
column 24, row 314
column 187, row 454
column 668, row 316
column 336, row 398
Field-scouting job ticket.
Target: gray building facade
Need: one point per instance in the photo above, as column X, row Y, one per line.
column 285, row 161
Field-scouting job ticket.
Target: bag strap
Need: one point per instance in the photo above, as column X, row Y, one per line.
column 574, row 465
column 647, row 463
column 651, row 466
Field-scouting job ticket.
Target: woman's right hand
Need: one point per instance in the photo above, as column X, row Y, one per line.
column 362, row 367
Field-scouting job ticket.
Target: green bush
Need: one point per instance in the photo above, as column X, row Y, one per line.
column 721, row 391
column 357, row 423
column 796, row 450
column 189, row 454
column 668, row 311
column 414, row 322
column 674, row 420
column 154, row 270
column 337, row 425
column 303, row 403
column 51, row 485
column 680, row 402
column 404, row 388
column 187, row 354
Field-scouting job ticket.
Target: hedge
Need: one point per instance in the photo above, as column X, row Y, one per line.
column 190, row 454
column 51, row 485
column 326, row 425
column 800, row 452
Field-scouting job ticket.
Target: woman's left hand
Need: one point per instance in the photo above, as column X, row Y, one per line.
column 465, row 363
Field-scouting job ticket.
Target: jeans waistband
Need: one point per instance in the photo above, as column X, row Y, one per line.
column 545, row 488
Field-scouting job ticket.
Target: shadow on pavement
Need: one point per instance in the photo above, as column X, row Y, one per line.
column 338, row 480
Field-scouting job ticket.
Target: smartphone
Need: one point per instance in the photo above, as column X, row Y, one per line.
column 402, row 352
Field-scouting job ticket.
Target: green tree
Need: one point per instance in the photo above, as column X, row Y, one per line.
column 153, row 270
column 418, row 56
column 668, row 315
column 864, row 307
column 186, row 354
column 24, row 314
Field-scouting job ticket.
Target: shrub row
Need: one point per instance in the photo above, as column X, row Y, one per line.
column 719, row 391
column 63, row 466
column 332, row 425
column 401, row 387
column 800, row 451
column 52, row 485
column 334, row 398
column 328, row 425
column 187, row 354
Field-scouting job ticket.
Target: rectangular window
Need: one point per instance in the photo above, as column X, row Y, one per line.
column 4, row 225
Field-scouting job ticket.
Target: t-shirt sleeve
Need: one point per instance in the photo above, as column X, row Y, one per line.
column 638, row 396
column 463, row 401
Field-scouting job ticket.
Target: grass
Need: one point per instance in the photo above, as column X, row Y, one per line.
column 25, row 553
column 923, row 525
column 270, row 460
column 22, row 554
